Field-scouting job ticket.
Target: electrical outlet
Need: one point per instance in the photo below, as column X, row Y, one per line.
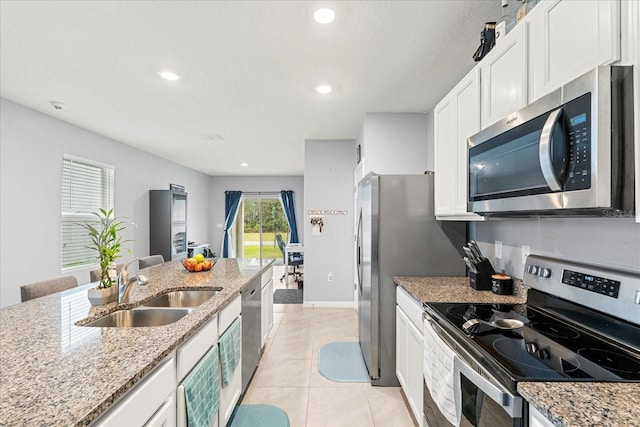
column 330, row 277
column 218, row 225
column 498, row 249
column 526, row 250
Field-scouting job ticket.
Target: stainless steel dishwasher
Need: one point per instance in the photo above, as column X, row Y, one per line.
column 251, row 334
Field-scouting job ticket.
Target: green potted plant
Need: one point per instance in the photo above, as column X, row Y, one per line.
column 107, row 242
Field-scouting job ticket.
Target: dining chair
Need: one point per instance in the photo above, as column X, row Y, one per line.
column 94, row 275
column 47, row 287
column 150, row 261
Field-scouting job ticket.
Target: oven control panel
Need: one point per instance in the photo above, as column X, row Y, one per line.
column 589, row 282
column 610, row 290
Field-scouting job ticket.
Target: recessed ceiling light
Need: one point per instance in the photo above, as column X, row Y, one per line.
column 324, row 89
column 171, row 76
column 324, row 15
column 244, row 165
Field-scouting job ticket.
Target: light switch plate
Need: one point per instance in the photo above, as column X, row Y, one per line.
column 498, row 249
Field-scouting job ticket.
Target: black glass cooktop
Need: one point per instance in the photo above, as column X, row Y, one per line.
column 546, row 347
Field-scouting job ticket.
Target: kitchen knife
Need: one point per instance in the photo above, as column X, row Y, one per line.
column 470, row 265
column 473, row 245
column 470, row 255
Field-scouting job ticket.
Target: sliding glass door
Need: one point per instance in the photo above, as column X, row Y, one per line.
column 262, row 220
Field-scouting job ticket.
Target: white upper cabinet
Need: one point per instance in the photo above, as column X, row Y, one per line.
column 631, row 56
column 392, row 144
column 456, row 118
column 445, row 153
column 504, row 76
column 569, row 38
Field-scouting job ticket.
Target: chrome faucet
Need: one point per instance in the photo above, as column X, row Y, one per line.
column 123, row 279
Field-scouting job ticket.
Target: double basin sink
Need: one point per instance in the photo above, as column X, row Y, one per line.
column 162, row 310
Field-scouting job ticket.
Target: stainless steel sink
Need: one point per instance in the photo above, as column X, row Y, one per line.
column 191, row 298
column 140, row 317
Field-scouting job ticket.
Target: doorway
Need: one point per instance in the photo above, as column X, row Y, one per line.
column 262, row 218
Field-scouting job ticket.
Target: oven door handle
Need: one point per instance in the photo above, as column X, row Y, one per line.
column 512, row 404
column 545, row 150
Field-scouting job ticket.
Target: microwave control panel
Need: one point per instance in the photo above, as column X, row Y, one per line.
column 579, row 133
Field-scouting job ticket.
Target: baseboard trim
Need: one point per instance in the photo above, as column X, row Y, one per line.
column 329, row 304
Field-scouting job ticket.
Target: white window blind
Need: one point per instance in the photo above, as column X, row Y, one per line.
column 86, row 187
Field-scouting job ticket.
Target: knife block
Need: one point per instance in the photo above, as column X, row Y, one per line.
column 481, row 280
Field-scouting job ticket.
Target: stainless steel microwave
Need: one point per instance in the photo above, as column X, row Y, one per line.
column 568, row 153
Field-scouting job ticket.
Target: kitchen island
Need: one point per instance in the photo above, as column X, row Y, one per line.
column 564, row 404
column 54, row 372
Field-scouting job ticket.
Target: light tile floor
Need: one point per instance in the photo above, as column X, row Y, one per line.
column 287, row 375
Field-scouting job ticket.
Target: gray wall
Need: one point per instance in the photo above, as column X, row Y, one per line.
column 612, row 242
column 32, row 145
column 328, row 185
column 219, row 184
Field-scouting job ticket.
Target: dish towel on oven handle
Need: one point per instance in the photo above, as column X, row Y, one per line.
column 438, row 373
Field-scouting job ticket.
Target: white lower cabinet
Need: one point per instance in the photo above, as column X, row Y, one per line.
column 188, row 356
column 166, row 415
column 148, row 402
column 267, row 305
column 536, row 419
column 230, row 395
column 409, row 351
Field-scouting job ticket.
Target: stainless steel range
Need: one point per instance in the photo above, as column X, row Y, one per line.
column 580, row 323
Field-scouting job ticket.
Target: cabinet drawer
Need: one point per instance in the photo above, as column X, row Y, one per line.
column 411, row 308
column 192, row 351
column 228, row 314
column 144, row 400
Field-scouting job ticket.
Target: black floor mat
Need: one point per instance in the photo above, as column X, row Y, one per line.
column 287, row 296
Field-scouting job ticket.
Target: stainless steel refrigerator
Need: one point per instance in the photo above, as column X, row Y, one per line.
column 397, row 235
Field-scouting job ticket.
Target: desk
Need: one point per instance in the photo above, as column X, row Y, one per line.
column 293, row 248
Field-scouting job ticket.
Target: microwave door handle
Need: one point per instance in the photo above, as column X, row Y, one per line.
column 545, row 150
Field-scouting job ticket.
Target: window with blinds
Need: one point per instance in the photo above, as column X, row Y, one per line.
column 86, row 187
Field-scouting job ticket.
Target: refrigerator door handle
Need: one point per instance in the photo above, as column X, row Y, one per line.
column 359, row 260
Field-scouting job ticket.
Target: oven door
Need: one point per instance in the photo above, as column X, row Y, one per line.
column 484, row 403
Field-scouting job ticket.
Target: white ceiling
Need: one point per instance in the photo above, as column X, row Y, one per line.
column 248, row 71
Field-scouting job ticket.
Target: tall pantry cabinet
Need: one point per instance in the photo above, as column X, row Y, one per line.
column 168, row 224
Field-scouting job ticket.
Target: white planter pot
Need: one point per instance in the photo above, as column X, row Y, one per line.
column 102, row 296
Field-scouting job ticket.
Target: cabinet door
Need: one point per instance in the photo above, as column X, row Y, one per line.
column 569, row 38
column 402, row 349
column 166, row 415
column 144, row 399
column 267, row 310
column 503, row 75
column 415, row 389
column 536, row 419
column 456, row 118
column 631, row 40
column 467, row 94
column 445, row 156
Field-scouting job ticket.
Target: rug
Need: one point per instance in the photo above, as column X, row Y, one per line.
column 342, row 362
column 258, row 415
column 287, row 296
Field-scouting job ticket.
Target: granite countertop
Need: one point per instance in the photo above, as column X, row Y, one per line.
column 455, row 289
column 565, row 404
column 568, row 404
column 53, row 372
